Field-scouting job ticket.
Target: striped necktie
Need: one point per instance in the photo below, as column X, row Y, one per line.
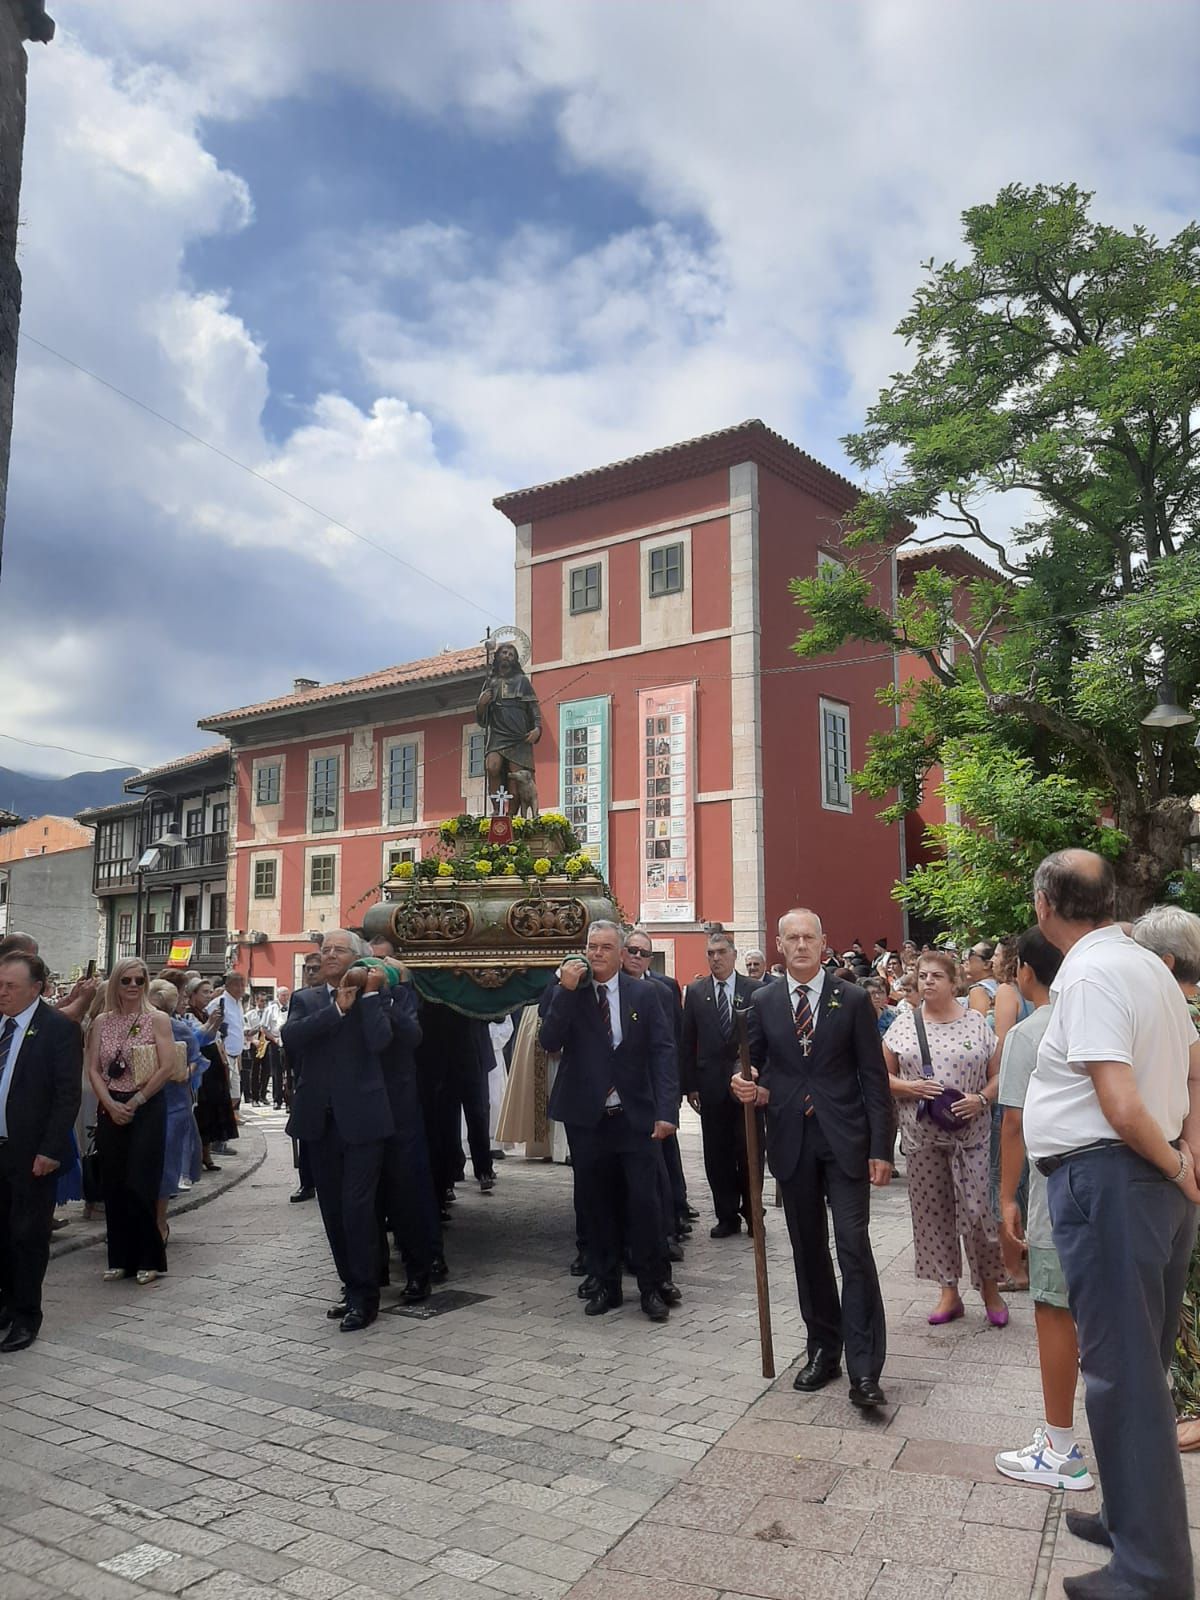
column 6, row 1039
column 724, row 1019
column 605, row 1012
column 804, row 1033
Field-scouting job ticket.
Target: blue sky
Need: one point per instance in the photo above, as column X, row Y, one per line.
column 402, row 257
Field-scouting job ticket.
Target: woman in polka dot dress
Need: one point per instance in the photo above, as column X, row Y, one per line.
column 948, row 1170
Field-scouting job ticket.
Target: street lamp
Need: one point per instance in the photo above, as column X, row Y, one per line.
column 1167, row 712
column 149, row 856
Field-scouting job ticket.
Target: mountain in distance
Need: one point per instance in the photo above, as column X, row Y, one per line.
column 32, row 796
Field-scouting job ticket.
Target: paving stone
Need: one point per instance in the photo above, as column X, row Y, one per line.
column 748, row 1566
column 799, row 1522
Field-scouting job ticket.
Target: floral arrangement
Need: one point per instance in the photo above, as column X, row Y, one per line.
column 468, row 856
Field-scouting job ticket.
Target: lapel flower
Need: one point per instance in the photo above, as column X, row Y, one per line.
column 834, row 1002
column 31, row 1033
column 633, row 1016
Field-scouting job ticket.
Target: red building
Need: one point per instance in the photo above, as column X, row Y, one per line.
column 704, row 764
column 333, row 785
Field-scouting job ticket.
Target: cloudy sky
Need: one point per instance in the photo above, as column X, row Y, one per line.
column 398, row 258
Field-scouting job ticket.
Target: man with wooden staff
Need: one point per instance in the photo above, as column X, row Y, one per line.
column 819, row 1071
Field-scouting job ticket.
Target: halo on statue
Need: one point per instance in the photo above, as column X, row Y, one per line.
column 508, row 634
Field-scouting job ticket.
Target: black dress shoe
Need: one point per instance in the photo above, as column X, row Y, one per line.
column 816, row 1373
column 438, row 1270
column 578, row 1267
column 655, row 1307
column 682, row 1226
column 20, row 1337
column 338, row 1311
column 1087, row 1525
column 6, row 1317
column 302, row 1193
column 449, row 1195
column 674, row 1252
column 357, row 1318
column 445, row 1214
column 866, row 1394
column 691, row 1213
column 670, row 1293
column 589, row 1287
column 487, row 1183
column 416, row 1289
column 725, row 1230
column 606, row 1298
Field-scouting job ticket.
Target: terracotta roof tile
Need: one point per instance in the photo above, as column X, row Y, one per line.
column 449, row 664
column 954, row 557
column 199, row 758
column 750, row 440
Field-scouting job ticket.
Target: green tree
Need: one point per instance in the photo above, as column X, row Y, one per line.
column 1058, row 369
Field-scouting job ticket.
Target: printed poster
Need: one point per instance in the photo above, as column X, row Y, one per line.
column 583, row 739
column 667, row 720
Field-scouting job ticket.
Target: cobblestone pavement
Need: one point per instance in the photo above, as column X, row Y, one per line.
column 214, row 1435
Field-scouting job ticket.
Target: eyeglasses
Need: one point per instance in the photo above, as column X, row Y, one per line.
column 133, row 983
column 643, row 955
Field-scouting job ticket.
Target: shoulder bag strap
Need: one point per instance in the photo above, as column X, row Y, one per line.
column 922, row 1043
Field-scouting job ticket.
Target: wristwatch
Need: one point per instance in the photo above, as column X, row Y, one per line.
column 1179, row 1176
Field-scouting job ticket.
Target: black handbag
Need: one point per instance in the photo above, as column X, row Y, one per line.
column 89, row 1164
column 939, row 1111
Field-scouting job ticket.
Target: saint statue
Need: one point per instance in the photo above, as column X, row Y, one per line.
column 509, row 713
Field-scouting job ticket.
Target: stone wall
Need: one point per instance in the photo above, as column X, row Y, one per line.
column 51, row 898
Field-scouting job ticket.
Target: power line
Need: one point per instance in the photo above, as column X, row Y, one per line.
column 65, row 749
column 261, row 477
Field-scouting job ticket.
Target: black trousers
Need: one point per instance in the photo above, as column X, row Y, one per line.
column 674, row 1160
column 407, row 1197
column 131, row 1167
column 617, row 1177
column 274, row 1073
column 467, row 1093
column 854, row 1323
column 347, row 1178
column 726, row 1166
column 1124, row 1236
column 26, row 1211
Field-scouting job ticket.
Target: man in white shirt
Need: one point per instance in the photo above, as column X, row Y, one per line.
column 233, row 1036
column 1112, row 1119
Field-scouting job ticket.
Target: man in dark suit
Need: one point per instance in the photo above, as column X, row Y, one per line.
column 616, row 1091
column 41, row 1076
column 709, row 1054
column 335, row 1036
column 635, row 960
column 409, row 1200
column 820, row 1073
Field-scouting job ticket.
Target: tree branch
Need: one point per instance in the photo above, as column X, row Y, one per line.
column 1053, row 721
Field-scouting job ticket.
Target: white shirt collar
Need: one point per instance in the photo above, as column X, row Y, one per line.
column 612, row 985
column 1106, row 935
column 24, row 1018
column 814, row 986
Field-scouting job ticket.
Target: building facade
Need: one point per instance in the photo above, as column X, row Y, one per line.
column 333, row 785
column 656, row 596
column 41, row 895
column 178, row 900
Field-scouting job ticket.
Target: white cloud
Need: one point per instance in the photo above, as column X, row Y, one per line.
column 798, row 164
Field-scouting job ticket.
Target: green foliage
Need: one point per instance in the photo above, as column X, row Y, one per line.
column 979, row 880
column 1048, row 418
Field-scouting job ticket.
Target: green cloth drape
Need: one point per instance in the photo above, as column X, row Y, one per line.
column 466, row 997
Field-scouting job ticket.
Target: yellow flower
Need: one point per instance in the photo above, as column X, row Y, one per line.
column 541, row 866
column 483, row 868
column 553, row 819
column 445, row 870
column 574, row 865
column 450, row 827
column 402, row 869
column 519, row 824
column 484, row 825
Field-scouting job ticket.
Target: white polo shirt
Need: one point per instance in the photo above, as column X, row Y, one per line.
column 1113, row 1001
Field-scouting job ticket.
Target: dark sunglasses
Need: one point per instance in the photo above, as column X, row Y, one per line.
column 644, row 954
column 133, row 983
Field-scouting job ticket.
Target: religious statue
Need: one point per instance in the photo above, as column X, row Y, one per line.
column 509, row 713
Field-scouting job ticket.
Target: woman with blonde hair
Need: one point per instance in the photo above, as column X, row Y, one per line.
column 130, row 1056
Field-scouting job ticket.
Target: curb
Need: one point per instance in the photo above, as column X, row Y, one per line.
column 180, row 1205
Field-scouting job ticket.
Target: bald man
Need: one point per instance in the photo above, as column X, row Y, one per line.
column 819, row 1071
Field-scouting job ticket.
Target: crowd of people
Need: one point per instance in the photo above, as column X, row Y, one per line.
column 1042, row 1092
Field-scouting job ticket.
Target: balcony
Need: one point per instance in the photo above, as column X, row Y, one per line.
column 109, row 876
column 205, row 850
column 208, row 953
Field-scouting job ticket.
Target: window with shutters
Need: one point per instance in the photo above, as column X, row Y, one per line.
column 835, row 756
column 476, row 767
column 402, row 783
column 326, row 782
column 585, row 589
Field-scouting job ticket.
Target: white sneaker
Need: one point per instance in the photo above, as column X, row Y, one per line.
column 1039, row 1463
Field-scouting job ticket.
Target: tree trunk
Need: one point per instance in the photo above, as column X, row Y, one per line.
column 1155, row 850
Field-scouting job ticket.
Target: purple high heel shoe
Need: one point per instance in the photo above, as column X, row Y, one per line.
column 937, row 1319
column 998, row 1319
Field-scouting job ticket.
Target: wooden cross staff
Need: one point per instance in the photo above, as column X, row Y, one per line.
column 755, row 1179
